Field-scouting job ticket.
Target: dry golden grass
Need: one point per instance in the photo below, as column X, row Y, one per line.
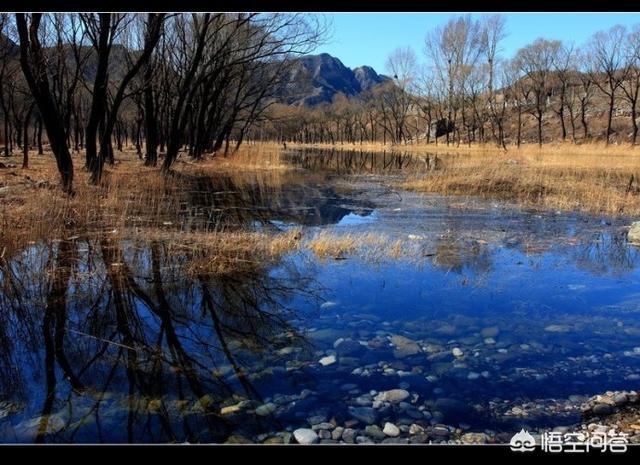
column 223, row 252
column 328, row 245
column 325, row 245
column 33, row 207
column 262, row 156
column 591, row 177
column 585, row 181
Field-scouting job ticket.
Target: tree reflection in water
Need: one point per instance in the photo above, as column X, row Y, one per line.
column 130, row 349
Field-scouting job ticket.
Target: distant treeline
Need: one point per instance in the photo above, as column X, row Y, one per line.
column 466, row 92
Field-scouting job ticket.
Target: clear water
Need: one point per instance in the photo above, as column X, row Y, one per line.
column 544, row 306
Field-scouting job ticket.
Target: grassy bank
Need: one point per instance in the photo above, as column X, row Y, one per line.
column 141, row 206
column 589, row 182
column 133, row 202
column 592, row 178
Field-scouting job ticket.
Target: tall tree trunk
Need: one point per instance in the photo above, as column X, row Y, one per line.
column 153, row 29
column 7, row 137
column 610, row 116
column 151, row 124
column 583, row 120
column 634, row 122
column 519, row 137
column 539, row 127
column 98, row 103
column 39, row 137
column 33, row 65
column 25, row 138
column 562, row 125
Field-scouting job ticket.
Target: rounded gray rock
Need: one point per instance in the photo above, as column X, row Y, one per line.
column 305, row 436
column 391, row 430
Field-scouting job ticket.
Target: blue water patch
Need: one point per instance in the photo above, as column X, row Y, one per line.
column 353, row 219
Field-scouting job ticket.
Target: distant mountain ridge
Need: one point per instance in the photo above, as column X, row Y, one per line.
column 317, row 79
column 312, row 79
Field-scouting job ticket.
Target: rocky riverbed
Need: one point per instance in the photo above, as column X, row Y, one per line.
column 613, row 411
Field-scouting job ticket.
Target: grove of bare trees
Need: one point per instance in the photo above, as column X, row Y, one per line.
column 169, row 83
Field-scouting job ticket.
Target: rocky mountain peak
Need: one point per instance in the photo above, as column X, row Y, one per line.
column 317, row 79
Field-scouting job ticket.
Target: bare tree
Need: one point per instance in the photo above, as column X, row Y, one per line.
column 34, row 67
column 9, row 68
column 402, row 65
column 102, row 29
column 631, row 84
column 536, row 61
column 562, row 66
column 150, row 36
column 493, row 31
column 453, row 50
column 607, row 66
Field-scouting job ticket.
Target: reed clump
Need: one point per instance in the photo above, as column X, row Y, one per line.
column 262, row 156
column 367, row 246
column 219, row 253
column 600, row 184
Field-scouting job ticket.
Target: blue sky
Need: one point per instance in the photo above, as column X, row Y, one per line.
column 367, row 38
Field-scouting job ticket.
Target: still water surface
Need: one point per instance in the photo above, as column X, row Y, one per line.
column 500, row 317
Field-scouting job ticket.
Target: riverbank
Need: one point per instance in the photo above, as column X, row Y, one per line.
column 133, row 201
column 591, row 178
column 563, row 148
column 586, row 183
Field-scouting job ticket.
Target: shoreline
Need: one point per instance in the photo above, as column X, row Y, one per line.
column 568, row 148
column 589, row 178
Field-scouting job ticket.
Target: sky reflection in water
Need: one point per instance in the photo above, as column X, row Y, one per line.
column 544, row 307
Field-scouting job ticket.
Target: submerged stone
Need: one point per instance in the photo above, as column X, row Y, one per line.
column 305, row 436
column 391, row 430
column 602, row 409
column 366, row 415
column 328, row 360
column 404, row 346
column 394, row 395
column 348, row 347
column 349, row 435
column 266, row 409
column 491, row 331
column 474, row 438
column 557, row 328
column 375, row 432
column 238, row 439
column 230, row 409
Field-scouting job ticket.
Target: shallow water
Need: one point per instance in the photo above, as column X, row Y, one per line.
column 541, row 307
